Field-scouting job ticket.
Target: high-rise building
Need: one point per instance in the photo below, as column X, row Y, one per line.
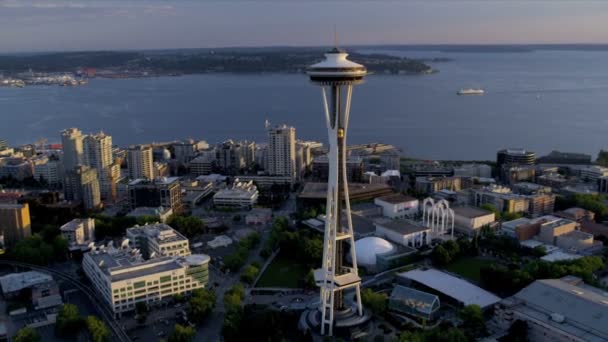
column 73, row 153
column 81, row 184
column 49, row 170
column 3, row 144
column 140, row 162
column 14, row 222
column 515, row 157
column 281, row 156
column 336, row 76
column 98, row 155
column 162, row 192
column 185, row 151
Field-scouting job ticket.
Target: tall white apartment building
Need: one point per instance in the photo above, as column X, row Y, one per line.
column 98, row 155
column 72, row 144
column 281, row 156
column 140, row 162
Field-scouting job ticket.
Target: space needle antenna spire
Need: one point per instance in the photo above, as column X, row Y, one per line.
column 336, row 76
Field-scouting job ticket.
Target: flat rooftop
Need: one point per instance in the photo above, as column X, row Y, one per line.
column 319, row 190
column 401, row 227
column 161, row 232
column 17, row 281
column 470, row 212
column 583, row 307
column 396, row 199
column 451, row 286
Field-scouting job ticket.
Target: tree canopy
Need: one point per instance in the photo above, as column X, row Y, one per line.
column 27, row 334
column 181, row 333
column 187, row 225
column 98, row 330
column 200, row 305
column 377, row 302
column 69, row 321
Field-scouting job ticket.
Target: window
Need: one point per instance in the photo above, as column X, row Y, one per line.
column 165, row 279
column 139, row 284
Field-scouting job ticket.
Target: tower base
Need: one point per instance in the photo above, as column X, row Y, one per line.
column 347, row 323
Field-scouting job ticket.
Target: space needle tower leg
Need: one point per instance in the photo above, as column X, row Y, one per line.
column 336, row 76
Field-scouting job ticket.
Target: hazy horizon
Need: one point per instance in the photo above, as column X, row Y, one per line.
column 79, row 25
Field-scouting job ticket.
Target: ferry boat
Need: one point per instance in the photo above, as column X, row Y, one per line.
column 471, row 92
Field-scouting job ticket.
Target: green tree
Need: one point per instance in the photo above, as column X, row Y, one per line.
column 377, row 302
column 200, row 305
column 249, row 274
column 473, row 321
column 187, row 225
column 233, row 299
column 491, row 208
column 98, row 330
column 181, row 333
column 441, row 256
column 27, row 334
column 69, row 321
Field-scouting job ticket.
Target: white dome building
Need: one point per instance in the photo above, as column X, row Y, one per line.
column 369, row 248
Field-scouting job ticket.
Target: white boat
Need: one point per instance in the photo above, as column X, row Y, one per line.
column 471, row 91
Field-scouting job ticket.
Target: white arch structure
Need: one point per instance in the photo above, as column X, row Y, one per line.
column 438, row 216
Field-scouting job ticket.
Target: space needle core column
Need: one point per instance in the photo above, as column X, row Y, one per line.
column 337, row 75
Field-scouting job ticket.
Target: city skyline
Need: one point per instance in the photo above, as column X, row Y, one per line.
column 32, row 25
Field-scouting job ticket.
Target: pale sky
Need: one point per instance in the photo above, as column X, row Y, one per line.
column 57, row 25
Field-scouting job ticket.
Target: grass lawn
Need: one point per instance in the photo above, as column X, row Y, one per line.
column 469, row 267
column 283, row 272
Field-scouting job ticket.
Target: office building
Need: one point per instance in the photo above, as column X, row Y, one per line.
column 231, row 157
column 15, row 223
column 515, row 174
column 473, row 170
column 79, row 232
column 561, row 310
column 73, row 150
column 123, row 278
column 281, row 156
column 470, row 220
column 158, row 239
column 202, row 164
column 514, row 156
column 354, row 169
column 161, row 192
column 303, row 158
column 429, row 185
column 403, row 233
column 397, row 206
column 593, row 173
column 140, row 162
column 239, row 195
column 81, row 185
column 185, row 151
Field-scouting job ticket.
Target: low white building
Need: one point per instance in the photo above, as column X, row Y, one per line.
column 403, row 233
column 240, row 195
column 79, row 231
column 158, row 240
column 397, row 206
column 469, row 220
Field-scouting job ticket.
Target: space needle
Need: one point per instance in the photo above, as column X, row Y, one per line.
column 336, row 76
